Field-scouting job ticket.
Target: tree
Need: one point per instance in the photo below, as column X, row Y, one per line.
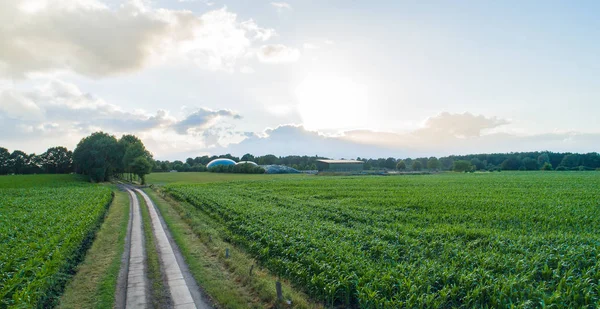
column 390, row 163
column 97, row 156
column 4, row 161
column 57, row 160
column 18, row 162
column 570, row 161
column 401, row 165
column 477, row 164
column 530, row 164
column 543, row 159
column 547, row 167
column 462, row 166
column 247, row 157
column 511, row 164
column 446, row 163
column 141, row 167
column 433, row 163
column 417, row 165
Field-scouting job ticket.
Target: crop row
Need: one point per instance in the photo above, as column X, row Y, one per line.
column 479, row 240
column 44, row 232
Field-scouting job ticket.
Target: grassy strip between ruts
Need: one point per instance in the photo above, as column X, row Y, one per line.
column 226, row 280
column 95, row 282
column 159, row 295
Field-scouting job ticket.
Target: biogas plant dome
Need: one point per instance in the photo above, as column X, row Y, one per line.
column 217, row 162
column 246, row 162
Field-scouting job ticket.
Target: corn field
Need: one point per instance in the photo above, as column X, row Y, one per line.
column 45, row 227
column 493, row 240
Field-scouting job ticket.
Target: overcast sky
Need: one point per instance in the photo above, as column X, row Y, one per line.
column 334, row 78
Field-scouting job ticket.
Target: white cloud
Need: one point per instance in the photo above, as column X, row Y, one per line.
column 309, row 46
column 60, row 113
column 278, row 53
column 93, row 39
column 246, row 70
column 281, row 6
column 15, row 105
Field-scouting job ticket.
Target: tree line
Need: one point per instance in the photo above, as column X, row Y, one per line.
column 523, row 161
column 539, row 160
column 56, row 160
column 99, row 156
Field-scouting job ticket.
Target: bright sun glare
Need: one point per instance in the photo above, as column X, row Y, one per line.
column 332, row 102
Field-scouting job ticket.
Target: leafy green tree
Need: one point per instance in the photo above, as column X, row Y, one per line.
column 390, row 163
column 401, row 165
column 18, row 162
column 97, row 156
column 461, row 166
column 547, row 167
column 530, row 164
column 433, row 163
column 446, row 163
column 247, row 157
column 141, row 167
column 417, row 165
column 57, row 160
column 570, row 161
column 4, row 161
column 477, row 164
column 543, row 159
column 511, row 164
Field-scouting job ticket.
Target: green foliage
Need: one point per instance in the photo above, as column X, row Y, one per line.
column 238, row 168
column 401, row 165
column 530, row 164
column 496, row 240
column 461, row 166
column 570, row 161
column 141, row 167
column 97, row 156
column 101, row 156
column 46, row 227
column 433, row 163
column 547, row 167
column 416, row 165
column 511, row 164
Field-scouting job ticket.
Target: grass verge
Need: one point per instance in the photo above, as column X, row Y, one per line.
column 226, row 280
column 95, row 282
column 159, row 294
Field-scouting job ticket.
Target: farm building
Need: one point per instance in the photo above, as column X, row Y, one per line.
column 221, row 161
column 339, row 165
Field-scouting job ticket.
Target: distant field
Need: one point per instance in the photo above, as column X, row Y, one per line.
column 485, row 240
column 204, row 177
column 46, row 222
column 27, row 181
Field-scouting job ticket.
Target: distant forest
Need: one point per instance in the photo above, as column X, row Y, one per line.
column 539, row 160
column 59, row 160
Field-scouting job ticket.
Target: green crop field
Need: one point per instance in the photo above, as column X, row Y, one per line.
column 46, row 223
column 522, row 240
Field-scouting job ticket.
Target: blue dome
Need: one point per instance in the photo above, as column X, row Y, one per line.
column 217, row 162
column 246, row 162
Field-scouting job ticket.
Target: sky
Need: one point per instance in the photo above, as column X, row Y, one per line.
column 340, row 79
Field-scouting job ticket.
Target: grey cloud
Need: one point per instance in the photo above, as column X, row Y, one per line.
column 296, row 140
column 202, row 119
